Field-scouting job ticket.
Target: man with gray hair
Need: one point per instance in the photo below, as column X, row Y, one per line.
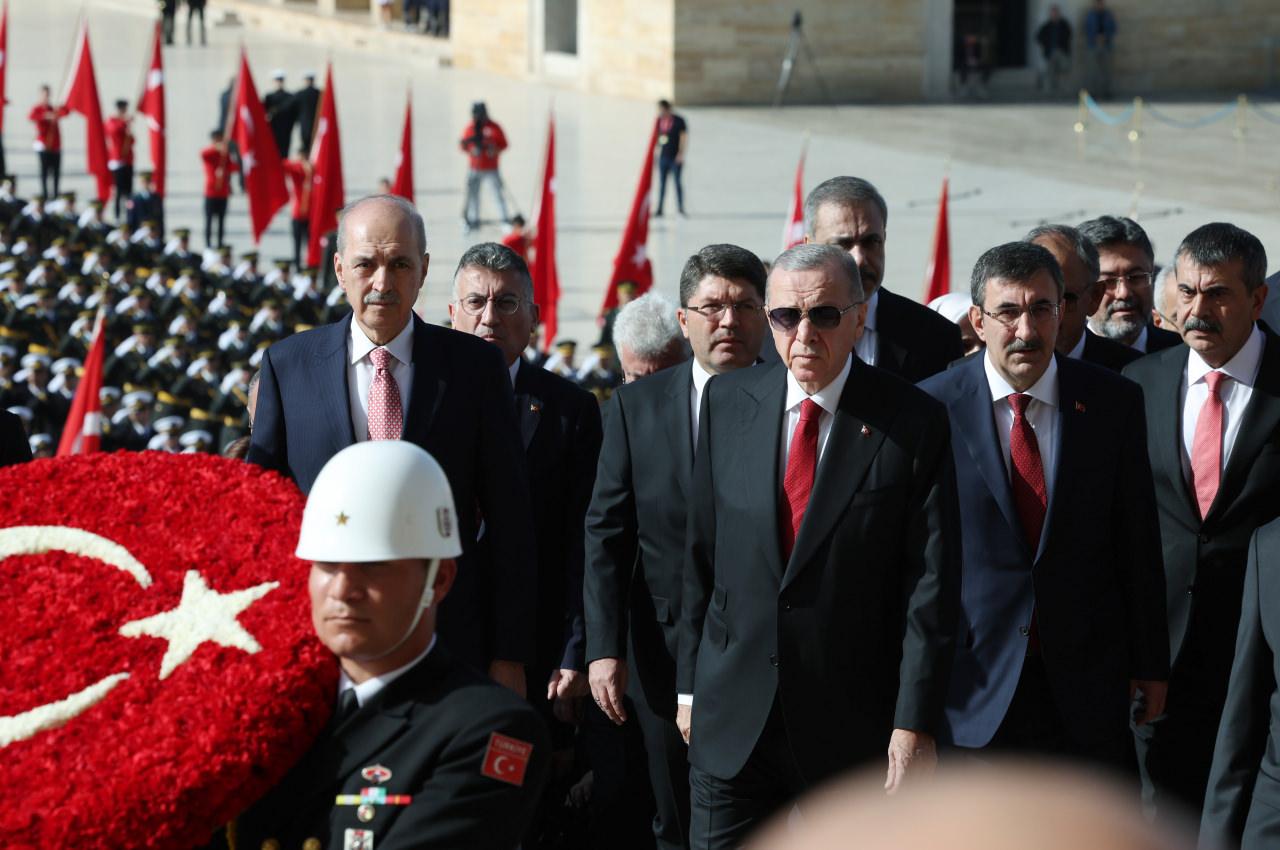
column 821, row 568
column 906, row 338
column 1164, row 310
column 382, row 373
column 647, row 336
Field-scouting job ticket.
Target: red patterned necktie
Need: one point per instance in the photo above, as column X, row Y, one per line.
column 385, row 412
column 797, row 483
column 1030, row 497
column 1206, row 446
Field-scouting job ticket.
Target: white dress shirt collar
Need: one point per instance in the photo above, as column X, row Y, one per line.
column 1044, row 390
column 1243, row 368
column 700, row 377
column 401, row 347
column 872, row 303
column 369, row 688
column 513, row 369
column 828, row 398
column 1140, row 344
column 1077, row 353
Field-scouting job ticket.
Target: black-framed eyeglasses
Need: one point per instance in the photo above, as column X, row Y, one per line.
column 474, row 305
column 1134, row 279
column 716, row 310
column 824, row 317
column 1039, row 312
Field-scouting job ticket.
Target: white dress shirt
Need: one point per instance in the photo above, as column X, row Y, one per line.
column 1042, row 414
column 1140, row 344
column 360, row 374
column 513, row 370
column 1077, row 353
column 1235, row 392
column 699, row 384
column 369, row 688
column 866, row 345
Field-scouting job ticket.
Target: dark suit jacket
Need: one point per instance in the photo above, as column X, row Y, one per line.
column 14, row 447
column 1158, row 339
column 560, row 427
column 636, row 532
column 1204, row 561
column 1095, row 583
column 854, row 634
column 1242, row 805
column 461, row 410
column 1107, row 353
column 431, row 728
column 913, row 341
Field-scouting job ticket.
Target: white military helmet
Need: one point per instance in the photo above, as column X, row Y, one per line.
column 380, row 500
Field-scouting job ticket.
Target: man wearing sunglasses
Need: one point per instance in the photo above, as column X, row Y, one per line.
column 1062, row 606
column 820, row 578
column 1127, row 264
column 636, row 524
column 899, row 335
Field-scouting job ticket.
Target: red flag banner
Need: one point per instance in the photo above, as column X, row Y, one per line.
column 82, row 432
column 632, row 261
column 937, row 279
column 793, row 233
column 260, row 163
column 404, row 162
column 4, row 59
column 82, row 96
column 546, row 280
column 327, row 191
column 151, row 106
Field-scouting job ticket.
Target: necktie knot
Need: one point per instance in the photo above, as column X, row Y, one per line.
column 809, row 410
column 381, row 358
column 1214, row 381
column 1019, row 402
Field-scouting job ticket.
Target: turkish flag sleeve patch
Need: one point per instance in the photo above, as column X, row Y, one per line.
column 506, row 759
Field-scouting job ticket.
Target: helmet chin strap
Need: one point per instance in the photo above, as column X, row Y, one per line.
column 424, row 602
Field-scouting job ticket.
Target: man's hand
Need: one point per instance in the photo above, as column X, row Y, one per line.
column 1153, row 697
column 684, row 721
column 509, row 674
column 563, row 690
column 608, row 677
column 909, row 751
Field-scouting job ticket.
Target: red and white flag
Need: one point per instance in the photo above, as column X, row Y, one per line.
column 632, row 260
column 937, row 278
column 327, row 191
column 4, row 59
column 546, row 280
column 151, row 106
column 82, row 432
column 260, row 164
column 404, row 162
column 793, row 233
column 82, row 96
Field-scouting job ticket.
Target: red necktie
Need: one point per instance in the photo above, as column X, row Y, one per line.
column 385, row 412
column 1030, row 497
column 1206, row 446
column 797, row 483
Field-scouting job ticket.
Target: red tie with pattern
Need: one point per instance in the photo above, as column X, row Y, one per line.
column 1030, row 497
column 1206, row 446
column 385, row 412
column 797, row 483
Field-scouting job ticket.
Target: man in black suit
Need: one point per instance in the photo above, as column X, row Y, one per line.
column 1213, row 410
column 307, row 102
column 14, row 447
column 384, row 373
column 1081, row 294
column 901, row 336
column 461, row 760
column 1242, row 804
column 1127, row 265
column 636, row 523
column 561, row 432
column 1058, row 521
column 822, row 560
column 282, row 113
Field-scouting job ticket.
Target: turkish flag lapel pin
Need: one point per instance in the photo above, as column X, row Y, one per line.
column 506, row 759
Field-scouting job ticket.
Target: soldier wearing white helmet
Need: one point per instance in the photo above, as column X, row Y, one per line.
column 422, row 751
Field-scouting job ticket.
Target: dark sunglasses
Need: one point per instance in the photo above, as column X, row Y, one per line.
column 824, row 317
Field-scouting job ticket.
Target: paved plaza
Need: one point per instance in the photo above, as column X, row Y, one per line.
column 1011, row 165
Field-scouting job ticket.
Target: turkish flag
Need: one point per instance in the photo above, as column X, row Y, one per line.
column 260, row 163
column 937, row 279
column 4, row 59
column 404, row 163
column 506, row 759
column 546, row 280
column 327, row 192
column 793, row 233
column 82, row 96
column 632, row 261
column 151, row 105
column 82, row 433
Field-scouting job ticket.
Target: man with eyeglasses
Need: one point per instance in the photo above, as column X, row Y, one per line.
column 821, row 574
column 1082, row 291
column 636, row 524
column 901, row 336
column 1126, row 263
column 1062, row 609
column 1213, row 409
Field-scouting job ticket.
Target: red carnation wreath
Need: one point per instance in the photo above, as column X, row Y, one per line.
column 159, row 672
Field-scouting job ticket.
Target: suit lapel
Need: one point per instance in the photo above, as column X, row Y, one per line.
column 890, row 355
column 1260, row 421
column 1166, row 429
column 528, row 404
column 1071, row 441
column 428, row 380
column 759, row 430
column 333, row 393
column 679, row 422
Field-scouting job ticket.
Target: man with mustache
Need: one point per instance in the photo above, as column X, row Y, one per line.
column 1058, row 521
column 1127, row 265
column 384, row 374
column 1213, row 410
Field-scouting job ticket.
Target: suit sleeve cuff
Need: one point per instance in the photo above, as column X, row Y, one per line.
column 684, row 699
